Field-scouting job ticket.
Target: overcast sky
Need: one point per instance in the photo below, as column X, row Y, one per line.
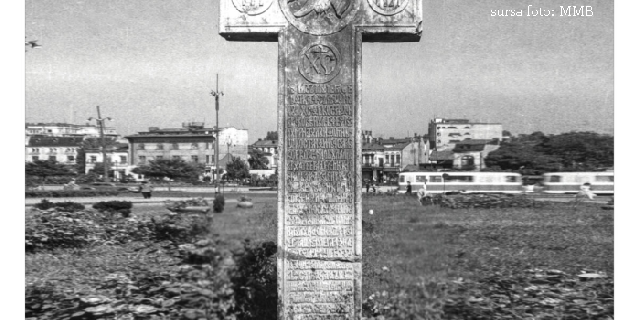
column 153, row 63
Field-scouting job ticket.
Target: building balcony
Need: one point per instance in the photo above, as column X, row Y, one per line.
column 371, row 165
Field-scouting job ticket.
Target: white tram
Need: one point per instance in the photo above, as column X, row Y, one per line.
column 570, row 182
column 462, row 181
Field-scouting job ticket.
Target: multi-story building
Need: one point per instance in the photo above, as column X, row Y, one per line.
column 384, row 159
column 445, row 133
column 67, row 130
column 61, row 149
column 269, row 149
column 192, row 143
column 117, row 157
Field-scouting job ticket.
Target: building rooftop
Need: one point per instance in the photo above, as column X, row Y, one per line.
column 441, row 155
column 265, row 143
column 57, row 124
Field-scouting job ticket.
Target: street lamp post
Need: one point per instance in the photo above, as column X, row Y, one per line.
column 100, row 122
column 216, row 94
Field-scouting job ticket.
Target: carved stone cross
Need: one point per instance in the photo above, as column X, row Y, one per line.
column 319, row 138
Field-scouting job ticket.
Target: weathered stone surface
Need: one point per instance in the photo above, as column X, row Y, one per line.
column 319, row 102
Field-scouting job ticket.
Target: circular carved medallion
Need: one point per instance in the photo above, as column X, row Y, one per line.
column 252, row 7
column 388, row 7
column 319, row 17
column 319, row 62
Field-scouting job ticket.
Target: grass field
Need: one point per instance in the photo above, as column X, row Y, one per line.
column 413, row 249
column 428, row 262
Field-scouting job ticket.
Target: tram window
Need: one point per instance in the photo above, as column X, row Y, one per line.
column 460, row 178
column 435, row 178
column 604, row 178
column 401, row 178
column 555, row 179
column 421, row 178
column 512, row 178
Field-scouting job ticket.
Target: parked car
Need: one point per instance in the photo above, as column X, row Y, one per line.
column 104, row 186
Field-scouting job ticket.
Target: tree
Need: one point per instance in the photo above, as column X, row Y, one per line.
column 272, row 135
column 571, row 151
column 48, row 168
column 98, row 168
column 237, row 169
column 172, row 169
column 257, row 160
column 580, row 150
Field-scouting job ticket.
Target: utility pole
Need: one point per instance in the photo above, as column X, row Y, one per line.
column 216, row 94
column 100, row 122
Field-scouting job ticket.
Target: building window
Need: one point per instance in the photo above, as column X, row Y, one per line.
column 54, row 150
column 53, row 158
column 141, row 146
column 207, row 158
column 35, row 158
column 123, row 158
column 194, row 158
column 194, row 146
column 142, row 159
column 513, row 178
column 604, row 178
column 160, row 146
column 71, row 158
column 92, row 159
column 397, row 159
column 175, row 146
column 175, row 157
column 386, row 158
column 466, row 161
column 459, row 178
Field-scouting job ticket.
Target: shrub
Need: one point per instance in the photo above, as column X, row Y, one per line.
column 255, row 282
column 112, row 205
column 218, row 203
column 68, row 193
column 180, row 228
column 122, row 207
column 61, row 206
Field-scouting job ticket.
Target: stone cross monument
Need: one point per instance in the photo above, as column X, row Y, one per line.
column 319, row 138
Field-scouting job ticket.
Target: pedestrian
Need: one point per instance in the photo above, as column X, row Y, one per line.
column 145, row 188
column 367, row 186
column 408, row 188
column 374, row 186
column 585, row 192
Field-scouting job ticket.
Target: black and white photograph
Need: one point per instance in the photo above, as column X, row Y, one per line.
column 320, row 160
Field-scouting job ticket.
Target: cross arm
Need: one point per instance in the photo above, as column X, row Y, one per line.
column 251, row 20
column 390, row 20
column 378, row 20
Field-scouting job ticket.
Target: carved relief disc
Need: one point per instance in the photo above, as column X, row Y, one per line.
column 319, row 62
column 388, row 7
column 252, row 7
column 319, row 17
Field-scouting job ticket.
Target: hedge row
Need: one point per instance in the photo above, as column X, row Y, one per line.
column 68, row 193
